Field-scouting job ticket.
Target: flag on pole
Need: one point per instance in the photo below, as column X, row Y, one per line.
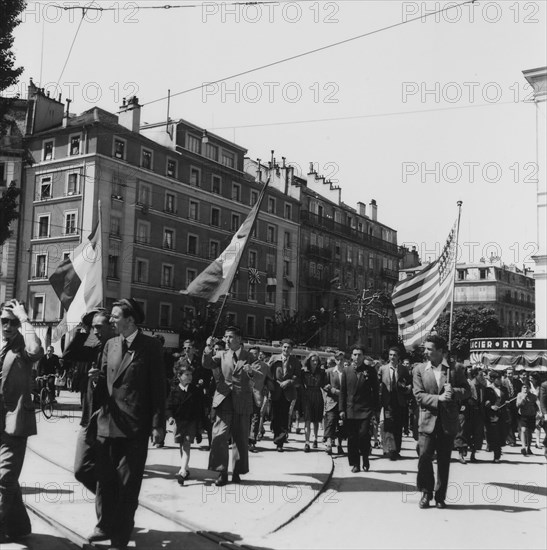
column 216, row 279
column 419, row 300
column 78, row 281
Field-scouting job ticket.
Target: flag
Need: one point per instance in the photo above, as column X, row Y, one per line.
column 419, row 300
column 216, row 279
column 254, row 275
column 78, row 281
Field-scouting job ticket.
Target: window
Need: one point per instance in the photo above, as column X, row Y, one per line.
column 337, row 250
column 112, row 270
column 254, row 198
column 312, row 269
column 193, row 210
column 211, row 151
column 234, row 289
column 48, row 150
column 215, row 217
column 288, row 211
column 38, row 307
column 228, row 159
column 235, row 222
column 287, row 240
column 192, row 244
column 167, row 275
column 271, row 205
column 146, row 159
column 319, row 272
column 231, row 318
column 195, row 177
column 216, row 182
column 43, row 226
column 171, row 168
column 40, row 271
column 72, row 184
column 190, row 276
column 286, row 268
column 119, row 148
column 268, row 327
column 145, row 194
column 193, row 143
column 115, row 226
column 141, row 270
column 270, row 294
column 3, row 173
column 70, row 223
column 170, row 203
column 251, row 294
column 74, row 148
column 214, row 247
column 169, row 239
column 270, row 234
column 461, row 274
column 117, row 187
column 143, row 232
column 46, row 192
column 252, row 258
column 165, row 315
column 285, row 299
column 236, row 192
column 251, row 325
column 270, row 263
column 483, row 273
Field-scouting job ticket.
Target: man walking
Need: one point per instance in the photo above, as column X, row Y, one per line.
column 439, row 390
column 358, row 404
column 131, row 390
column 233, row 405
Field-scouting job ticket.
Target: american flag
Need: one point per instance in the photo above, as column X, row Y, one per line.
column 419, row 300
column 254, row 275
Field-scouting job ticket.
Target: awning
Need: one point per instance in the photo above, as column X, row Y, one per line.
column 502, row 353
column 271, row 281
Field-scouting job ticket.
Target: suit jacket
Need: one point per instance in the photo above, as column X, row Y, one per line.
column 232, row 381
column 359, row 393
column 332, row 395
column 131, row 389
column 543, row 398
column 185, row 405
column 400, row 392
column 17, row 415
column 292, row 376
column 492, row 398
column 427, row 395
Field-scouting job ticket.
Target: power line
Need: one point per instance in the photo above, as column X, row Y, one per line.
column 310, row 52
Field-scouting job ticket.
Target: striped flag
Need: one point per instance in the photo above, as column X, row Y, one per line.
column 78, row 281
column 419, row 300
column 254, row 275
column 216, row 279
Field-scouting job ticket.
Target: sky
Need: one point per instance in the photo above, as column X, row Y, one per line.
column 414, row 114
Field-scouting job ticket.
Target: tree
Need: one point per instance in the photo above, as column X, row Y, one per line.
column 8, row 212
column 9, row 74
column 469, row 322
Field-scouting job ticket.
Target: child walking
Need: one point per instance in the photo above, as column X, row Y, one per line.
column 185, row 410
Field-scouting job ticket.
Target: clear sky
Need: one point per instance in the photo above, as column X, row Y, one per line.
column 417, row 116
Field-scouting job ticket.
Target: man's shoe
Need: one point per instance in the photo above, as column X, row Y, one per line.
column 366, row 464
column 306, row 448
column 355, row 469
column 236, row 478
column 222, row 479
column 314, row 445
column 462, row 459
column 441, row 504
column 523, row 452
column 424, row 501
column 97, row 535
column 280, row 448
column 252, row 448
column 329, row 449
column 529, row 451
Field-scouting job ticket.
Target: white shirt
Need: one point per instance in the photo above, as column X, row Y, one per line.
column 129, row 339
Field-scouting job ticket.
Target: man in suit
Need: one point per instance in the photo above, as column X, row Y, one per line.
column 359, row 399
column 261, row 380
column 131, row 391
column 542, row 398
column 439, row 390
column 332, row 410
column 395, row 388
column 232, row 405
column 19, row 349
column 285, row 370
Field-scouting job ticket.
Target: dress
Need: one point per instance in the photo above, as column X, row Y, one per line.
column 312, row 395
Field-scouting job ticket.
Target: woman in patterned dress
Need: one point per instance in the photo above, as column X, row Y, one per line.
column 313, row 378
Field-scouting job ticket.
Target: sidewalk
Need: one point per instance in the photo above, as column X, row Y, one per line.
column 278, row 488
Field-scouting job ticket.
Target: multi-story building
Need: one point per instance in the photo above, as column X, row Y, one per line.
column 171, row 198
column 342, row 252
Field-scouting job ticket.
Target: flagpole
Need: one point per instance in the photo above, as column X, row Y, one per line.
column 103, row 273
column 454, row 278
column 220, row 313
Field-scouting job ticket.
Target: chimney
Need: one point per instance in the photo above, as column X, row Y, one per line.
column 373, row 210
column 130, row 114
column 362, row 209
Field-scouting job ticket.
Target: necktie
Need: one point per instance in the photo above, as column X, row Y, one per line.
column 393, row 379
column 235, row 358
column 124, row 346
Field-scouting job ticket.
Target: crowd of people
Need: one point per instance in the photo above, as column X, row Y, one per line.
column 134, row 391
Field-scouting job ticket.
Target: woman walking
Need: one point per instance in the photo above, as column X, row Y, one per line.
column 313, row 378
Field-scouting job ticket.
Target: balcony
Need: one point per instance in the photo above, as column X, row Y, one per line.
column 390, row 274
column 319, row 251
column 348, row 232
column 316, row 283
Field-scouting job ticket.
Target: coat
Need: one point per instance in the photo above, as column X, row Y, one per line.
column 333, row 393
column 292, row 375
column 402, row 389
column 17, row 416
column 359, row 393
column 131, row 389
column 427, row 395
column 232, row 381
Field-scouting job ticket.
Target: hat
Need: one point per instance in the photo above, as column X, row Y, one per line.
column 133, row 308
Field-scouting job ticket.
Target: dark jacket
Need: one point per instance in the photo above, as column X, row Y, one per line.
column 359, row 392
column 292, row 376
column 185, row 405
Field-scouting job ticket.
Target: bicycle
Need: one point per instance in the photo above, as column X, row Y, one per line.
column 44, row 396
